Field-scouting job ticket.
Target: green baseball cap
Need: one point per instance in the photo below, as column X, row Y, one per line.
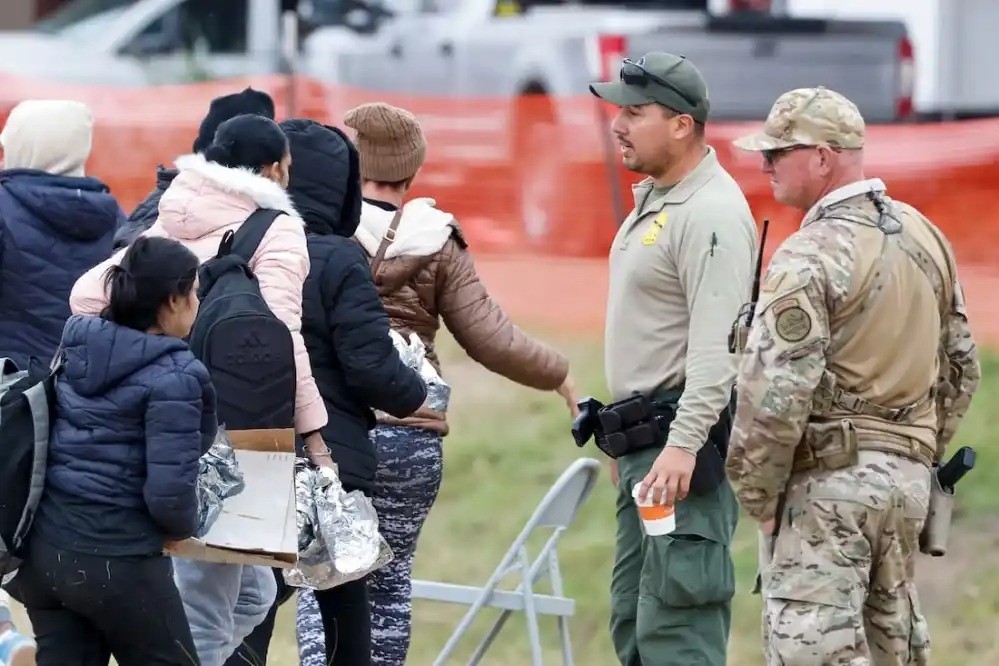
column 658, row 78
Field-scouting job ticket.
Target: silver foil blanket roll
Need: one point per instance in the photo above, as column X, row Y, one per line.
column 338, row 538
column 219, row 478
column 414, row 355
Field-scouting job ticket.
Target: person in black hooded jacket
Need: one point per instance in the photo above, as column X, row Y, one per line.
column 345, row 327
column 355, row 364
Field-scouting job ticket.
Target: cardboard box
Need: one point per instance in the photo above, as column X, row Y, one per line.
column 259, row 525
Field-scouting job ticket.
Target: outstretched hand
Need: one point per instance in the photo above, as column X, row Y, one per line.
column 567, row 389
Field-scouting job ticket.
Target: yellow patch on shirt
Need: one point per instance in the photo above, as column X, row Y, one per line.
column 652, row 233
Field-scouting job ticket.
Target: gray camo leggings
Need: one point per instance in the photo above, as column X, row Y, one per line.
column 410, row 467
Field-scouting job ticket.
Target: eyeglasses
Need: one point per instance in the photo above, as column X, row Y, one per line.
column 634, row 74
column 771, row 156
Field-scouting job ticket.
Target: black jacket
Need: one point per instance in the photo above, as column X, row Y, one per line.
column 345, row 327
column 146, row 212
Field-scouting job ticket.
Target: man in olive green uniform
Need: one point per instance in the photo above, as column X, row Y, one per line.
column 857, row 370
column 680, row 268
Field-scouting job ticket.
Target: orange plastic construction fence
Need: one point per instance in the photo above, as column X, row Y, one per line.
column 536, row 175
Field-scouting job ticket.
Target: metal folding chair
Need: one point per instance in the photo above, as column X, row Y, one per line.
column 556, row 510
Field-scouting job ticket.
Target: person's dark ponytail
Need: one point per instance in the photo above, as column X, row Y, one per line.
column 220, row 154
column 122, row 293
column 248, row 142
column 151, row 272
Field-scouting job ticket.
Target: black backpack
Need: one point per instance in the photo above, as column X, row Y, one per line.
column 248, row 351
column 27, row 399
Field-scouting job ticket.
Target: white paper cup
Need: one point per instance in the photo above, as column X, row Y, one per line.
column 657, row 519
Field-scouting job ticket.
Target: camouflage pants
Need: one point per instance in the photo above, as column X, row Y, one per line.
column 309, row 628
column 839, row 589
column 410, row 467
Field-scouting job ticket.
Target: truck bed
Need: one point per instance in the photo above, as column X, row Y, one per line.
column 749, row 62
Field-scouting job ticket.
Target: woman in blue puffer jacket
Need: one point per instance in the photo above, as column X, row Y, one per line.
column 134, row 412
column 55, row 223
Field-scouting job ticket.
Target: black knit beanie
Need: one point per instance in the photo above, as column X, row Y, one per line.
column 223, row 108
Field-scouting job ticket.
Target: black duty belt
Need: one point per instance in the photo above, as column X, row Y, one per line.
column 638, row 423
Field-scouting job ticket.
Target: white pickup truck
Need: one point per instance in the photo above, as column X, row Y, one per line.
column 955, row 44
column 511, row 75
column 472, row 48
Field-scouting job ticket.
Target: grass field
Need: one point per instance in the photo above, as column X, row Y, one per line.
column 507, row 446
column 509, row 443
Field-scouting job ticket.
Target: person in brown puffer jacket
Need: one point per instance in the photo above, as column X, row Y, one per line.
column 426, row 277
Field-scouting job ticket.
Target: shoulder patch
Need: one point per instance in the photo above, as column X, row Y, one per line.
column 791, row 321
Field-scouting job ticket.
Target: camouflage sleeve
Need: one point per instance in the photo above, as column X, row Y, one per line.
column 962, row 373
column 783, row 363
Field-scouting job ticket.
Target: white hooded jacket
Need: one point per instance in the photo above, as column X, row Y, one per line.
column 422, row 231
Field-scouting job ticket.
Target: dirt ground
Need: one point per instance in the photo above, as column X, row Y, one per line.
column 569, row 295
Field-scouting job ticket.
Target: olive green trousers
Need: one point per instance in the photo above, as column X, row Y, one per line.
column 671, row 595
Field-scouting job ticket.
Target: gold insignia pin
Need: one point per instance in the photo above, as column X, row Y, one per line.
column 652, row 233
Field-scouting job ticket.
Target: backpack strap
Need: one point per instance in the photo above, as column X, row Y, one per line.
column 247, row 238
column 386, row 241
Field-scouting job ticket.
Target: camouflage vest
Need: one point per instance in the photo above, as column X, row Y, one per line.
column 830, row 395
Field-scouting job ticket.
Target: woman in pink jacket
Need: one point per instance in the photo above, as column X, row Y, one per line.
column 245, row 168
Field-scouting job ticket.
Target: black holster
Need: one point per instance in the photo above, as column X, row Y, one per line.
column 638, row 423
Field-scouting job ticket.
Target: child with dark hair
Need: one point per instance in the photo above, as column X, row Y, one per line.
column 153, row 288
column 245, row 169
column 134, row 412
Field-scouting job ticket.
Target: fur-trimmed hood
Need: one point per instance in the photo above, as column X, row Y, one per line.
column 206, row 196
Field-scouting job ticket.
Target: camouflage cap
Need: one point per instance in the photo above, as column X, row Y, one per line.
column 808, row 117
column 658, row 78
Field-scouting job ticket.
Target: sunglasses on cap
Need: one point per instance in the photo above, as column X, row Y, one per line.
column 634, row 74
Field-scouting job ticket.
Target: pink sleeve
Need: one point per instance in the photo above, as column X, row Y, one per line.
column 281, row 265
column 88, row 296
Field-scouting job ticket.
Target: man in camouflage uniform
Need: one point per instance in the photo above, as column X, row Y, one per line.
column 857, row 371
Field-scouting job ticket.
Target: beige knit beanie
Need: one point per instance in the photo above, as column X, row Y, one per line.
column 54, row 136
column 390, row 141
